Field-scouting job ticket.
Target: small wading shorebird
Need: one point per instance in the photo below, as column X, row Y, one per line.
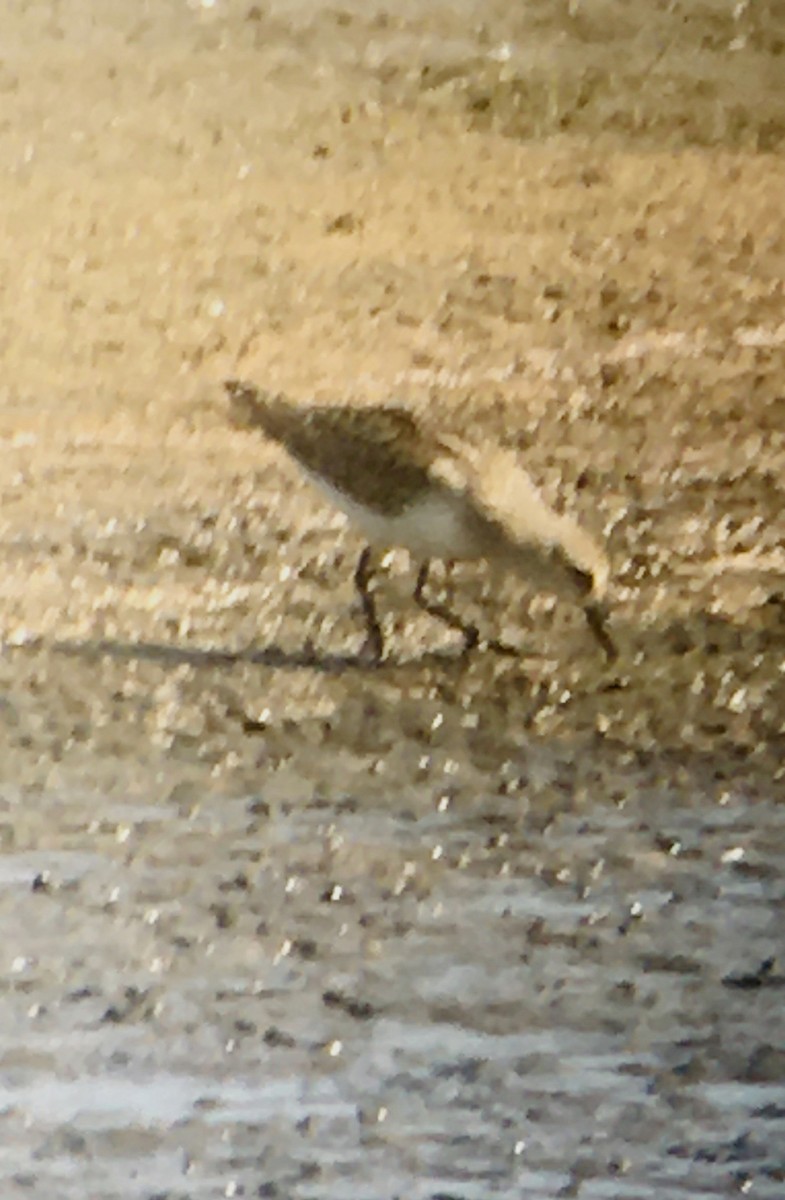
column 437, row 497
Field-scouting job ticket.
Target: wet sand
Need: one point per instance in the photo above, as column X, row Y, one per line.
column 273, row 923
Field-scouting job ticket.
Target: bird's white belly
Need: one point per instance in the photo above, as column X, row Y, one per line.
column 433, row 526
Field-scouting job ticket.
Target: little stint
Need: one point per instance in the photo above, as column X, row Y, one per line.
column 405, row 485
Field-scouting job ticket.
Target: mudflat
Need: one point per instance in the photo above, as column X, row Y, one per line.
column 277, row 924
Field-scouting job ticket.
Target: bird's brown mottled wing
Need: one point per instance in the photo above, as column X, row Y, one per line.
column 379, row 457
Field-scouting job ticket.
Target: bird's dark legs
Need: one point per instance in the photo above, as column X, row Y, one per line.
column 596, row 620
column 471, row 635
column 373, row 646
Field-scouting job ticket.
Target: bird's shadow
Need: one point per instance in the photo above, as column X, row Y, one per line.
column 307, row 658
column 713, row 634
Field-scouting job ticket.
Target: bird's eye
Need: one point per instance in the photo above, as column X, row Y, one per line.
column 583, row 580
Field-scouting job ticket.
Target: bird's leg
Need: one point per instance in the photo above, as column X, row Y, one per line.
column 471, row 635
column 373, row 646
column 597, row 622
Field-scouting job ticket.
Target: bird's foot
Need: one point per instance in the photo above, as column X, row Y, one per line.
column 372, row 650
column 502, row 648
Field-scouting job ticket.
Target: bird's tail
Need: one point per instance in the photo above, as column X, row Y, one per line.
column 246, row 403
column 254, row 408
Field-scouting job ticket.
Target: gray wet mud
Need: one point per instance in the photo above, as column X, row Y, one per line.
column 276, row 924
column 413, row 949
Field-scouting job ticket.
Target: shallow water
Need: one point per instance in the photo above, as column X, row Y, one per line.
column 341, row 1003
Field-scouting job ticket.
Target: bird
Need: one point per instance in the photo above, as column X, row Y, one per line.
column 404, row 483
